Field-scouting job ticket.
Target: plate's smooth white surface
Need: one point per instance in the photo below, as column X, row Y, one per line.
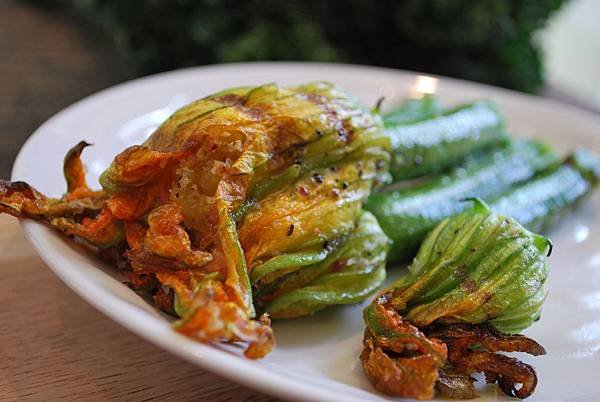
column 317, row 357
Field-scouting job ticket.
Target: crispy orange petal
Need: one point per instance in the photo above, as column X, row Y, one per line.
column 167, row 238
column 73, row 168
column 214, row 318
column 139, row 165
column 22, row 200
column 102, row 231
column 464, row 360
column 134, row 234
column 182, row 282
column 398, row 358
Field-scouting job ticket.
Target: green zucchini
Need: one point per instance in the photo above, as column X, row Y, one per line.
column 407, row 215
column 538, row 203
column 412, row 110
column 436, row 144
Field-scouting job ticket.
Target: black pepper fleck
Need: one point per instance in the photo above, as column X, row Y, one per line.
column 290, row 230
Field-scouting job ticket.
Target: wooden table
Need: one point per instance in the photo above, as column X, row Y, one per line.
column 53, row 345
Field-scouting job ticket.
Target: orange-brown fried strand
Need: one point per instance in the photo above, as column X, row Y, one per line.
column 101, row 231
column 168, row 239
column 22, row 200
column 472, row 348
column 399, row 359
column 74, row 173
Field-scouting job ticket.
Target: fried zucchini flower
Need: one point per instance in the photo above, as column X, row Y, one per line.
column 253, row 191
column 476, row 276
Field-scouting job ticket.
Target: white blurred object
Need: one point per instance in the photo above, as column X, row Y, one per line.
column 571, row 43
column 424, row 85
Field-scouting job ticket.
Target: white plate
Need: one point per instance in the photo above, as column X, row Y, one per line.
column 316, row 357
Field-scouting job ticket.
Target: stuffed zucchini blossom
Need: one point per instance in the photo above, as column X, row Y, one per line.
column 477, row 278
column 245, row 202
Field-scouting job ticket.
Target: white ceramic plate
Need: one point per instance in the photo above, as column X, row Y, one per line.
column 316, row 357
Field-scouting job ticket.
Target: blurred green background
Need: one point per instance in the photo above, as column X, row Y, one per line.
column 482, row 40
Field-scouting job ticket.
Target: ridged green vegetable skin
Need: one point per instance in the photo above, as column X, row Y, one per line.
column 345, row 273
column 435, row 144
column 413, row 110
column 537, row 203
column 407, row 215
